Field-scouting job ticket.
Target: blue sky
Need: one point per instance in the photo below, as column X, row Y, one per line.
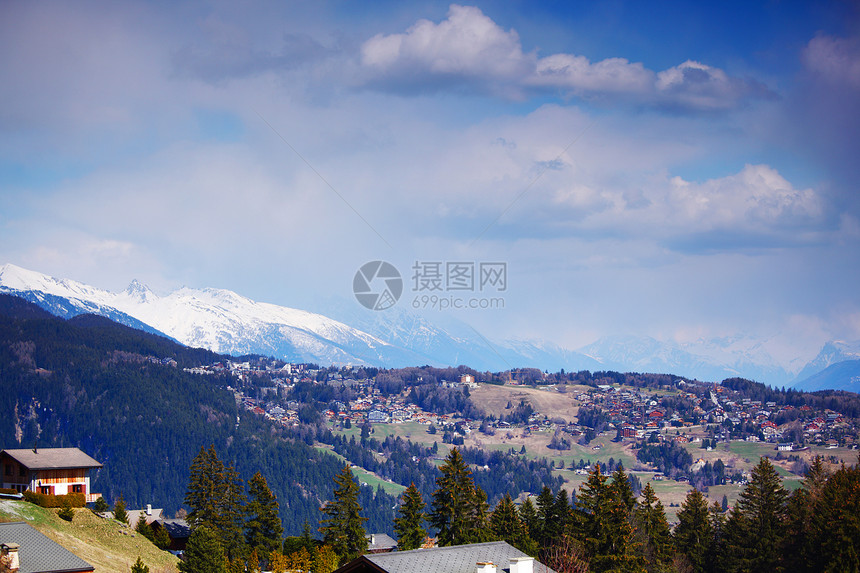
column 672, row 170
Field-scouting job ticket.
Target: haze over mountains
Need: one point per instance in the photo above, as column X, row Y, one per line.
column 225, row 322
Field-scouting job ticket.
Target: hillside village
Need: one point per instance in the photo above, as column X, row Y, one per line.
column 683, row 411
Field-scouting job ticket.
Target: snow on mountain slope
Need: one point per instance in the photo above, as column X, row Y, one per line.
column 711, row 360
column 220, row 320
column 831, row 353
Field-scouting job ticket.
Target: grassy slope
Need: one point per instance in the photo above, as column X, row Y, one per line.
column 106, row 544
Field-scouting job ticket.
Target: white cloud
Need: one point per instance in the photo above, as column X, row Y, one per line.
column 835, row 59
column 468, row 49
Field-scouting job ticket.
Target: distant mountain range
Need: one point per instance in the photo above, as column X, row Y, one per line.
column 225, row 322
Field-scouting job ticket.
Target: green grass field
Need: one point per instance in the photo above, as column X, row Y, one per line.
column 106, row 544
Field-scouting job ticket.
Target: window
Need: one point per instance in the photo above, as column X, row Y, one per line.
column 46, row 489
column 77, row 488
column 8, row 469
column 22, row 471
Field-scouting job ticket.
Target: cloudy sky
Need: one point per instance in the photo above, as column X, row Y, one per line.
column 676, row 171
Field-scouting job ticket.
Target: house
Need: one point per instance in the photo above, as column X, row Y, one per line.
column 493, row 557
column 380, row 543
column 25, row 550
column 52, row 471
column 784, row 446
column 149, row 513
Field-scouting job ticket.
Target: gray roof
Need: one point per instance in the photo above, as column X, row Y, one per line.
column 382, row 541
column 53, row 458
column 38, row 554
column 176, row 528
column 455, row 559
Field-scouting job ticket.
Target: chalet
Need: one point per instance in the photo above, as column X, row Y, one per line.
column 52, row 471
column 493, row 557
column 25, row 550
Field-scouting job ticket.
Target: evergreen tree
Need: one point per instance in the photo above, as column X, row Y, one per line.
column 216, row 496
column 119, row 512
column 755, row 532
column 804, row 536
column 343, row 530
column 139, row 567
column 144, row 528
column 408, row 526
column 693, row 533
column 548, row 527
column 161, row 539
column 529, row 518
column 716, row 560
column 263, row 530
column 100, row 506
column 204, row 553
column 458, row 509
column 650, row 519
column 506, row 525
column 837, row 521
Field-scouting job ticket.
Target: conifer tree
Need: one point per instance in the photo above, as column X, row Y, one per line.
column 693, row 533
column 657, row 538
column 263, row 530
column 836, row 522
column 756, row 529
column 119, row 512
column 216, row 496
column 204, row 553
column 139, row 566
column 804, row 539
column 409, row 526
column 343, row 530
column 458, row 508
column 161, row 539
column 528, row 515
column 100, row 506
column 506, row 525
column 144, row 528
column 548, row 527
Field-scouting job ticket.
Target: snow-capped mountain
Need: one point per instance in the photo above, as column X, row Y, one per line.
column 219, row 320
column 831, row 353
column 344, row 332
column 715, row 359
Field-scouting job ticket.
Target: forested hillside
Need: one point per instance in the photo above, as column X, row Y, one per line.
column 121, row 395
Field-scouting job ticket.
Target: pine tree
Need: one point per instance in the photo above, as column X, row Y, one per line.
column 144, row 528
column 204, row 553
column 837, row 521
column 657, row 538
column 528, row 515
column 506, row 525
column 161, row 539
column 458, row 509
column 343, row 530
column 804, row 536
column 119, row 512
column 216, row 496
column 756, row 530
column 693, row 533
column 408, row 526
column 548, row 527
column 100, row 506
column 263, row 530
column 139, row 567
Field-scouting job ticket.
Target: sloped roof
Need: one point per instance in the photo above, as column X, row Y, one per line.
column 455, row 559
column 37, row 553
column 382, row 541
column 176, row 528
column 53, row 458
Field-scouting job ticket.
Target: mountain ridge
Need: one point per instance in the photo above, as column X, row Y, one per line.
column 341, row 333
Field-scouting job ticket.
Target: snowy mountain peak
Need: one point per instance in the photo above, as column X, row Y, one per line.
column 138, row 291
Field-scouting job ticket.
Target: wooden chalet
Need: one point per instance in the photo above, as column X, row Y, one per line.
column 52, row 471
